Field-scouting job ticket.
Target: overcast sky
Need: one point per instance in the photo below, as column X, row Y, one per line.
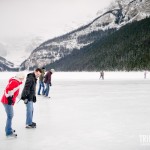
column 47, row 18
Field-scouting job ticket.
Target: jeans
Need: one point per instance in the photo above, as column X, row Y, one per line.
column 41, row 85
column 29, row 112
column 10, row 113
column 46, row 91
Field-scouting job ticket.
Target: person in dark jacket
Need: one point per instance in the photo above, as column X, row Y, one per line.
column 41, row 82
column 47, row 82
column 29, row 96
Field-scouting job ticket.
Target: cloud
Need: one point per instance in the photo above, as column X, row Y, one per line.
column 3, row 50
column 40, row 17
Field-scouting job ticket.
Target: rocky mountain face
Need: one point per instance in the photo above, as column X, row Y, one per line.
column 6, row 65
column 118, row 14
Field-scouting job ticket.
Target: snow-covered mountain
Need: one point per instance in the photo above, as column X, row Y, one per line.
column 6, row 65
column 118, row 14
column 17, row 49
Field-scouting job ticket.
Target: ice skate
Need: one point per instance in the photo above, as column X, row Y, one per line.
column 13, row 131
column 12, row 135
column 33, row 125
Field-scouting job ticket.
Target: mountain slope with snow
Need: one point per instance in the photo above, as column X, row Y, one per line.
column 118, row 14
column 126, row 49
column 6, row 65
column 21, row 45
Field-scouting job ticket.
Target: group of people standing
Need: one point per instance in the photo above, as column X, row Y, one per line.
column 45, row 82
column 28, row 96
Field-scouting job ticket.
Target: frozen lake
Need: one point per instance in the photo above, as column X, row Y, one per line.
column 85, row 113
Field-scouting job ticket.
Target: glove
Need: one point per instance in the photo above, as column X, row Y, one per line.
column 10, row 101
column 50, row 84
column 23, row 97
column 34, row 99
column 26, row 101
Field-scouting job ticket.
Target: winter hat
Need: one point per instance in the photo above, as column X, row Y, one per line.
column 52, row 70
column 20, row 75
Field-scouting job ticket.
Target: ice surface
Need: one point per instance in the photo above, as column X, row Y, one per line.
column 84, row 113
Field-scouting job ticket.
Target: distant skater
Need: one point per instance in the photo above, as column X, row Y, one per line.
column 8, row 100
column 47, row 82
column 145, row 74
column 102, row 75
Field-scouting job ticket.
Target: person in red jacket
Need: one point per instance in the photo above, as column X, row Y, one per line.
column 8, row 100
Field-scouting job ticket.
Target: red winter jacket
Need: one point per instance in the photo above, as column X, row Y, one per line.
column 12, row 89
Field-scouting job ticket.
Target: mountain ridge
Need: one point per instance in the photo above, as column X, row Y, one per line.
column 127, row 49
column 6, row 65
column 105, row 24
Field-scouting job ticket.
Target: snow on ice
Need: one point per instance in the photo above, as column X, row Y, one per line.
column 84, row 113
